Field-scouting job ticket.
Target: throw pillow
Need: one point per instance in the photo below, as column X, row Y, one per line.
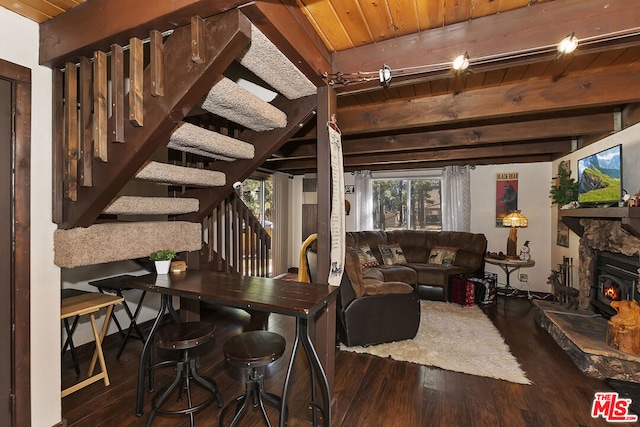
column 365, row 254
column 392, row 254
column 443, row 255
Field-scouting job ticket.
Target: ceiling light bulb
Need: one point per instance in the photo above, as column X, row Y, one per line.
column 461, row 62
column 568, row 44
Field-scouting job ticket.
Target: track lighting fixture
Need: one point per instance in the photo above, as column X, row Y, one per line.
column 567, row 45
column 461, row 62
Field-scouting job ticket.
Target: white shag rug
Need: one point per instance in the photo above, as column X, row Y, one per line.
column 454, row 338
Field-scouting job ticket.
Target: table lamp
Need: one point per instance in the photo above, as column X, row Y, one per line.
column 514, row 220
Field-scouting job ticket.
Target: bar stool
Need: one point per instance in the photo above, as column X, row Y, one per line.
column 253, row 349
column 184, row 336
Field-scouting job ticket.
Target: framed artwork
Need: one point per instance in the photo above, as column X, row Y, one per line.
column 562, row 238
column 506, row 195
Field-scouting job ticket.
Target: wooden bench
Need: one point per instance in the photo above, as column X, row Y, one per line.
column 90, row 303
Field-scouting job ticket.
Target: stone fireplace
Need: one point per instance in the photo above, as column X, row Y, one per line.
column 619, row 253
column 609, row 254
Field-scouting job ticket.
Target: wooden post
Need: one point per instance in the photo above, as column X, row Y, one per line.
column 325, row 339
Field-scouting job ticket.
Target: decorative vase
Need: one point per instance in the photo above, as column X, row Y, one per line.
column 162, row 267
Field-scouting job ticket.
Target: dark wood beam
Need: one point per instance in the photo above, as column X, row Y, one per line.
column 472, row 162
column 586, row 90
column 287, row 27
column 470, row 136
column 536, row 29
column 266, row 143
column 186, row 83
column 97, row 24
column 454, row 155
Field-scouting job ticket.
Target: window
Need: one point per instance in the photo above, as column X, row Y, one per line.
column 257, row 194
column 411, row 204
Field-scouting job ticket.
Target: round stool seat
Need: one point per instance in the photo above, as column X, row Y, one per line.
column 254, row 348
column 183, row 336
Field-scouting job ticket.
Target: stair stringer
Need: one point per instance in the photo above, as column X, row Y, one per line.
column 186, row 83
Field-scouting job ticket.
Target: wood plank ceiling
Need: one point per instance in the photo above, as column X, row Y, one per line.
column 517, row 102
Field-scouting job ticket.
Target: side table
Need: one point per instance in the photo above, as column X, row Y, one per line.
column 509, row 266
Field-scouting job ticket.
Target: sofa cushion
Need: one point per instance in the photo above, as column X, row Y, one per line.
column 376, row 287
column 398, row 273
column 443, row 255
column 365, row 254
column 392, row 254
column 372, row 273
column 429, row 274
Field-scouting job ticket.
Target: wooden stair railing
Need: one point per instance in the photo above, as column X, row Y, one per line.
column 235, row 240
column 97, row 153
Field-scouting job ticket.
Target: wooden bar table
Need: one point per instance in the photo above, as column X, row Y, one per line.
column 304, row 301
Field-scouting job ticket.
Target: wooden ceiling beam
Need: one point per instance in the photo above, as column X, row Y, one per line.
column 440, row 164
column 288, row 28
column 572, row 92
column 97, row 24
column 489, row 134
column 455, row 155
column 532, row 32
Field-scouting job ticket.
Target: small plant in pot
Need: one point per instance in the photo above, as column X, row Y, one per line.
column 162, row 259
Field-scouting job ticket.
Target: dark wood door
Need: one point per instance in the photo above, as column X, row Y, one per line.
column 6, row 281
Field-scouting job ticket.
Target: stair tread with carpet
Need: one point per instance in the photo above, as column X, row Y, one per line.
column 162, row 173
column 197, row 140
column 140, row 205
column 266, row 61
column 116, row 241
column 227, row 99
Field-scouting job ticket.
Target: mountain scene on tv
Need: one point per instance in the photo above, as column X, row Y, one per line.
column 599, row 177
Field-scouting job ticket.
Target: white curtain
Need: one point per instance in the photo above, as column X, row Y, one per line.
column 364, row 201
column 456, row 199
column 280, row 229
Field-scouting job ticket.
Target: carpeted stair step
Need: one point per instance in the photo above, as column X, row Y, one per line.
column 227, row 99
column 121, row 241
column 266, row 61
column 135, row 205
column 197, row 140
column 162, row 173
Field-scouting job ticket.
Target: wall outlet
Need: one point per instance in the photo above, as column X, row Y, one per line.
column 524, row 277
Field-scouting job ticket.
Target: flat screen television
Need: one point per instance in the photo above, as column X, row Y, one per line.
column 600, row 177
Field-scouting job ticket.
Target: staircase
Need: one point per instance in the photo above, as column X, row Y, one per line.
column 120, row 138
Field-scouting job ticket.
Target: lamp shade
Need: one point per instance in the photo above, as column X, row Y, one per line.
column 515, row 219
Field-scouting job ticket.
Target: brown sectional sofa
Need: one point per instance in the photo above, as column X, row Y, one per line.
column 430, row 280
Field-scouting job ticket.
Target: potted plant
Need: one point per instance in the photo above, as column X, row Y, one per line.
column 162, row 259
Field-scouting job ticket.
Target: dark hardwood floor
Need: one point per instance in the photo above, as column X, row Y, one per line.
column 368, row 391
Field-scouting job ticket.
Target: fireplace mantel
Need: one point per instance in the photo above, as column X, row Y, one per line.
column 629, row 218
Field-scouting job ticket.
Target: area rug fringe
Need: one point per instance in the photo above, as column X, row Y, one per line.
column 266, row 61
column 118, row 241
column 455, row 338
column 162, row 173
column 197, row 140
column 227, row 99
column 138, row 205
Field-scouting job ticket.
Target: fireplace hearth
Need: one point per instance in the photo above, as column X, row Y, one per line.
column 608, row 267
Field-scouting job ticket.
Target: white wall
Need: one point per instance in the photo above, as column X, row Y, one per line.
column 630, row 140
column 20, row 46
column 534, row 184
